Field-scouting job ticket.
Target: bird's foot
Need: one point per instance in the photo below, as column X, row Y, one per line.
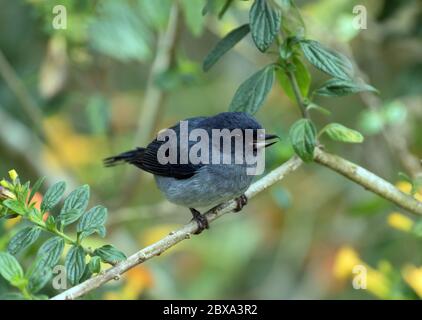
column 200, row 219
column 240, row 202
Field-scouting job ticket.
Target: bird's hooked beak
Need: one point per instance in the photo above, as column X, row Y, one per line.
column 267, row 141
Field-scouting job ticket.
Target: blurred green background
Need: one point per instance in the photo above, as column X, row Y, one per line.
column 122, row 70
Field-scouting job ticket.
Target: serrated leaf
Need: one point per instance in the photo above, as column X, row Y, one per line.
column 339, row 87
column 53, row 196
column 94, row 264
column 35, row 188
column 338, row 132
column 23, row 239
column 75, row 264
column 252, row 93
column 15, row 206
column 39, row 274
column 110, row 254
column 93, row 221
column 10, row 268
column 224, row 45
column 51, row 251
column 327, row 60
column 265, row 23
column 302, row 136
column 303, row 78
column 77, row 200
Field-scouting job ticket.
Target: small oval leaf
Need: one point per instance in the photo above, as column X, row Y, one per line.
column 75, row 264
column 23, row 239
column 339, row 87
column 110, row 254
column 10, row 268
column 51, row 251
column 302, row 136
column 338, row 132
column 224, row 45
column 265, row 22
column 53, row 196
column 252, row 93
column 326, row 60
column 76, row 201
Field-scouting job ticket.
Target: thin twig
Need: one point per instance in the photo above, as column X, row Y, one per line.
column 32, row 111
column 177, row 236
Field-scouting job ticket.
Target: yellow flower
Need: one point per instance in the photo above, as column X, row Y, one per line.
column 413, row 277
column 347, row 258
column 404, row 186
column 13, row 175
column 400, row 221
column 377, row 283
column 137, row 280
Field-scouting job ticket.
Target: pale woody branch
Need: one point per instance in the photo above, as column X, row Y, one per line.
column 177, row 236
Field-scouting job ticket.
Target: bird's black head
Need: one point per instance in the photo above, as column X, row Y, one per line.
column 242, row 121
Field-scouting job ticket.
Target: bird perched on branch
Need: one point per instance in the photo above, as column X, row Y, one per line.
column 194, row 169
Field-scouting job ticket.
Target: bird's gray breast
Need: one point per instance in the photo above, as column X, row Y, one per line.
column 211, row 185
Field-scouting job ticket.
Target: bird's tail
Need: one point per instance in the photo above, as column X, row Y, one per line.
column 131, row 156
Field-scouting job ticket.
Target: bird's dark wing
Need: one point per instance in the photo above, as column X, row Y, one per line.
column 148, row 160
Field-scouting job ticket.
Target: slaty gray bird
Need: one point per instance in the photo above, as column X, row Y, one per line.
column 204, row 184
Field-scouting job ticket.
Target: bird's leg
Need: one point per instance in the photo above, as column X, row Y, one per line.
column 241, row 202
column 200, row 219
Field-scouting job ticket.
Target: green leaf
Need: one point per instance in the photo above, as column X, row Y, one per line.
column 328, row 61
column 339, row 87
column 93, row 221
column 53, row 196
column 303, row 78
column 23, row 239
column 156, row 12
column 265, row 23
column 252, row 93
column 417, row 228
column 77, row 200
column 51, row 251
column 224, row 45
column 50, row 223
column 302, row 136
column 318, row 108
column 109, row 254
column 119, row 22
column 35, row 188
column 192, row 12
column 10, row 268
column 75, row 264
column 338, row 132
column 39, row 274
column 69, row 217
column 15, row 206
column 94, row 264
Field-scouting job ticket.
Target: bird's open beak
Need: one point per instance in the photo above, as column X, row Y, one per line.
column 269, row 137
column 267, row 141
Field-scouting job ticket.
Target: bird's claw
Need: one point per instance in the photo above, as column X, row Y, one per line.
column 240, row 202
column 200, row 219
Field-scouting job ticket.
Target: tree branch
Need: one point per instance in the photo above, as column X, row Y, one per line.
column 368, row 180
column 177, row 236
column 353, row 172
